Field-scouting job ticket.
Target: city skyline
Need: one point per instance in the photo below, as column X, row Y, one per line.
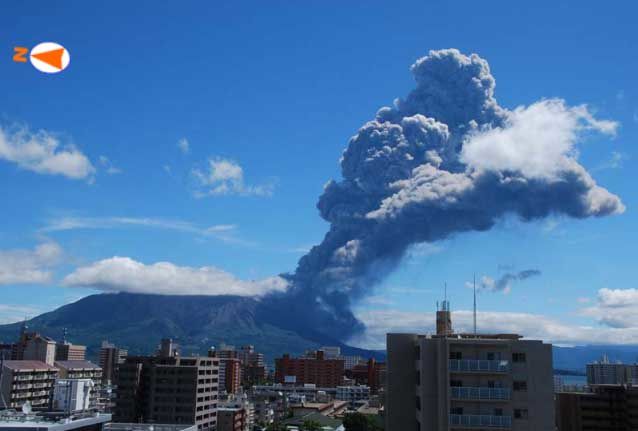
column 193, row 164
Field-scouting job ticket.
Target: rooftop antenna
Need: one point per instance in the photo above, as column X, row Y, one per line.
column 475, row 304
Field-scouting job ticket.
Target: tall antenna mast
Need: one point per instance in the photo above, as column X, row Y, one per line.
column 474, row 304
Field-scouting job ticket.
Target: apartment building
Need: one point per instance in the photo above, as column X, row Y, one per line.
column 315, row 369
column 110, row 357
column 26, row 381
column 606, row 408
column 370, row 373
column 252, row 367
column 168, row 389
column 69, row 352
column 604, row 372
column 469, row 381
column 230, row 370
column 477, row 381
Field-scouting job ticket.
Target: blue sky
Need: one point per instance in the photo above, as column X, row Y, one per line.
column 277, row 90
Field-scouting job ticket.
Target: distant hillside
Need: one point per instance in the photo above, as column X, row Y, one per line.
column 138, row 322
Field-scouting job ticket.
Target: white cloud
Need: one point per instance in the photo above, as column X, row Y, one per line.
column 226, row 177
column 108, row 166
column 223, row 232
column 16, row 313
column 123, row 274
column 615, row 161
column 537, row 141
column 184, row 146
column 531, row 326
column 42, row 152
column 29, row 266
column 617, row 308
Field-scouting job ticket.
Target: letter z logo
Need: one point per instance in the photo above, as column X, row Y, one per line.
column 20, row 55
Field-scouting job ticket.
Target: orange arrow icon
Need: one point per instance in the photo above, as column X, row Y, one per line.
column 52, row 58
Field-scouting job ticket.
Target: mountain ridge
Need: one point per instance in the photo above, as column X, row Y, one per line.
column 139, row 321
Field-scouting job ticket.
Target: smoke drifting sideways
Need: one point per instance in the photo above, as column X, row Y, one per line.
column 444, row 160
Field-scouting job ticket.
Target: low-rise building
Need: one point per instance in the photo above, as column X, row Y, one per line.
column 235, row 414
column 352, row 394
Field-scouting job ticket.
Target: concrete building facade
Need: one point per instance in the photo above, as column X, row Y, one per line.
column 26, row 381
column 235, row 414
column 315, row 370
column 370, row 373
column 171, row 389
column 74, row 370
column 69, row 352
column 604, row 372
column 34, row 347
column 606, row 408
column 468, row 381
column 110, row 357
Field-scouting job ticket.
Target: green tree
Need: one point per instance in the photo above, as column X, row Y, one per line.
column 360, row 422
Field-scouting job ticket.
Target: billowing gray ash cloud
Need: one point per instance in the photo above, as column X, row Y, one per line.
column 444, row 160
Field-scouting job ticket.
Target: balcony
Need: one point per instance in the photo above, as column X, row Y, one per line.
column 469, row 393
column 478, row 366
column 480, row 421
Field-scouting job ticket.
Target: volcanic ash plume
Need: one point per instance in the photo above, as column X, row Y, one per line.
column 443, row 160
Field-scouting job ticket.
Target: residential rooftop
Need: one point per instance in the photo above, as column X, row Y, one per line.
column 28, row 365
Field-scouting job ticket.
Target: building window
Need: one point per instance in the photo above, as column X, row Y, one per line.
column 518, row 357
column 520, row 385
column 520, row 413
column 417, row 353
column 456, row 383
column 418, row 403
column 498, row 411
column 456, row 410
column 418, row 378
column 456, row 355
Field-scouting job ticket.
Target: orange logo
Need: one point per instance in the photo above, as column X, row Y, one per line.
column 47, row 57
